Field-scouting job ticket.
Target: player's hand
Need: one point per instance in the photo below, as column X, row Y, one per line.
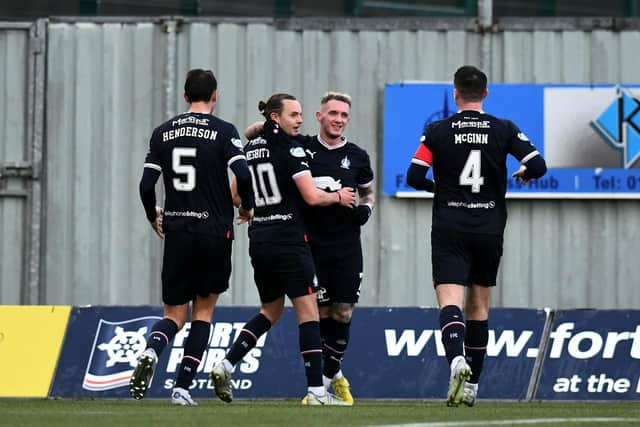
column 253, row 130
column 361, row 215
column 519, row 175
column 244, row 216
column 347, row 197
column 157, row 224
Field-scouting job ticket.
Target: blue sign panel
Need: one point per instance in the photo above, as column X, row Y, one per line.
column 397, row 353
column 102, row 345
column 592, row 355
column 589, row 135
column 393, row 353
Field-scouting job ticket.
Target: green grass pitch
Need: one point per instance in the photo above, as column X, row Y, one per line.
column 281, row 413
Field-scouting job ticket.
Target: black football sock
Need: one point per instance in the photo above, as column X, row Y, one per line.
column 475, row 346
column 161, row 333
column 248, row 338
column 311, row 350
column 194, row 347
column 452, row 327
column 324, row 327
column 334, row 346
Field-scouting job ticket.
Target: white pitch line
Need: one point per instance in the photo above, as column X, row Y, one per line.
column 512, row 422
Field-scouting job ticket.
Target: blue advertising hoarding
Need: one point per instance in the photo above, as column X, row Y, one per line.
column 592, row 355
column 588, row 134
column 393, row 353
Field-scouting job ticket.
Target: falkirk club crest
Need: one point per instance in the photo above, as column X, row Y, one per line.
column 345, row 163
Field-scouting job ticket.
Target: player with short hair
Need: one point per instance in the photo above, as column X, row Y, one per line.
column 334, row 231
column 192, row 151
column 468, row 153
column 279, row 247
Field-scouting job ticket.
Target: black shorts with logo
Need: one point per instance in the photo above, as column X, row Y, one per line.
column 465, row 258
column 339, row 270
column 282, row 269
column 194, row 264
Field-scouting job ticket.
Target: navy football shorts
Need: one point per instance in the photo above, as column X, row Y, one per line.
column 282, row 269
column 194, row 264
column 465, row 258
column 339, row 270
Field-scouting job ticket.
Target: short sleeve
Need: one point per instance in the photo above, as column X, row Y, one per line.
column 519, row 145
column 423, row 155
column 364, row 177
column 233, row 147
column 296, row 160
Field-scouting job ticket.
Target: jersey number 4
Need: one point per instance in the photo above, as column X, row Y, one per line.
column 470, row 174
column 178, row 154
column 264, row 174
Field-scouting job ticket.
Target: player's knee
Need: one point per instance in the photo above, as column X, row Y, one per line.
column 342, row 312
column 272, row 312
column 475, row 310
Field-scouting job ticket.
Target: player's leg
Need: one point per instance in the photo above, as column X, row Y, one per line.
column 487, row 252
column 477, row 337
column 194, row 347
column 162, row 333
column 306, row 309
column 301, row 287
column 345, row 278
column 451, row 266
column 208, row 277
column 257, row 326
column 176, row 310
column 265, row 259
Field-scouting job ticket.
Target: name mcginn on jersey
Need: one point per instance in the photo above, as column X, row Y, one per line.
column 472, row 138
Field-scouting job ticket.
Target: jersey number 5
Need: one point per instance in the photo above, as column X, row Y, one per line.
column 470, row 174
column 263, row 173
column 189, row 171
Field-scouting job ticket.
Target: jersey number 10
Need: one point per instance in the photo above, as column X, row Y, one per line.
column 261, row 174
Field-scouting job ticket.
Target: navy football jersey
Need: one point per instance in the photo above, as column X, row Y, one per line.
column 468, row 153
column 335, row 167
column 274, row 161
column 193, row 152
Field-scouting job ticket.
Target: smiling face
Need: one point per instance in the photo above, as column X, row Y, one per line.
column 333, row 118
column 290, row 118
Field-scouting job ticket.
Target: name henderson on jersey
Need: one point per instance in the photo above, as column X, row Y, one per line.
column 192, row 131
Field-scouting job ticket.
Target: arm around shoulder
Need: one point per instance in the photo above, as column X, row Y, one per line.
column 315, row 197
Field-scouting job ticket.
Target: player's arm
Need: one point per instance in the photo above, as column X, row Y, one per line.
column 237, row 162
column 233, row 186
column 366, row 202
column 242, row 183
column 314, row 196
column 419, row 166
column 253, row 130
column 532, row 164
column 417, row 178
column 366, row 196
column 148, row 196
column 147, row 187
column 242, row 190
